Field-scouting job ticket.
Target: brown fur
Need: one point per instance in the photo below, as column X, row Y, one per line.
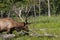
column 9, row 24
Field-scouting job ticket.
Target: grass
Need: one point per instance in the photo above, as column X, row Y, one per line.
column 51, row 23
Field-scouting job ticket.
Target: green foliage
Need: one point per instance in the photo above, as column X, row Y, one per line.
column 46, row 21
column 6, row 5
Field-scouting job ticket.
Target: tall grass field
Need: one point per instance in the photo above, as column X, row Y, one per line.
column 49, row 25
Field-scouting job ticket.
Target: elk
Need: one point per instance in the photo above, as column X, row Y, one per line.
column 8, row 24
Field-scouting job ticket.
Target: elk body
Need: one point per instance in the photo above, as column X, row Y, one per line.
column 8, row 24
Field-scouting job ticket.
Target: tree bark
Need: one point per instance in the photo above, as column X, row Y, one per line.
column 1, row 14
column 39, row 8
column 34, row 9
column 49, row 8
column 9, row 14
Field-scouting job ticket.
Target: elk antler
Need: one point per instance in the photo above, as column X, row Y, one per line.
column 18, row 12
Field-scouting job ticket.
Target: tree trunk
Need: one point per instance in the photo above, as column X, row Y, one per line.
column 34, row 9
column 1, row 14
column 9, row 14
column 39, row 8
column 49, row 8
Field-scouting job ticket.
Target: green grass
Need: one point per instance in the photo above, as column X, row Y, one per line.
column 51, row 23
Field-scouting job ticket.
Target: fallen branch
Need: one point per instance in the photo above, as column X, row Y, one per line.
column 42, row 35
column 7, row 36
